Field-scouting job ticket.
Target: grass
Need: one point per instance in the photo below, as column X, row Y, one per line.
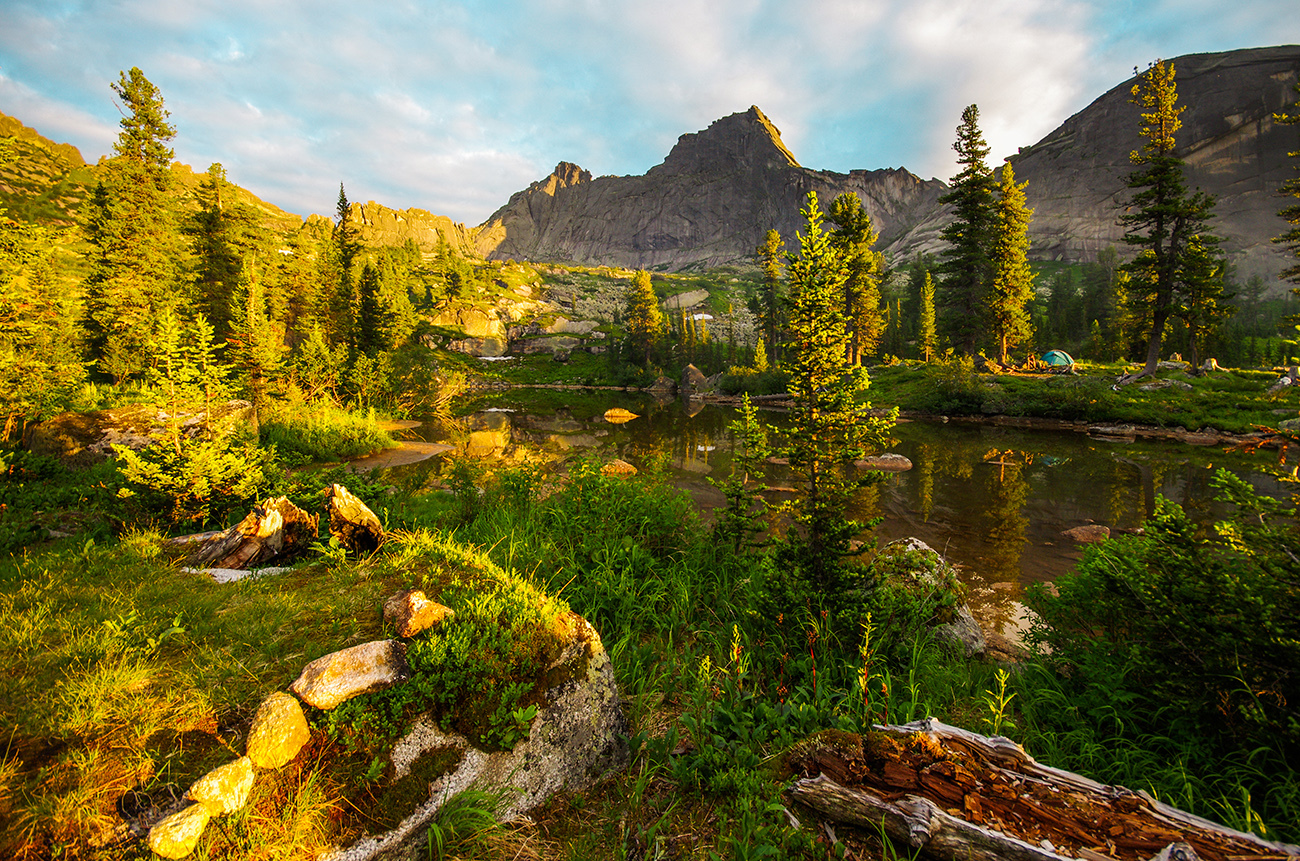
column 129, row 679
column 320, row 432
column 1233, row 400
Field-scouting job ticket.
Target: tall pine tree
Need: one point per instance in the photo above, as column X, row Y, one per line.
column 771, row 305
column 852, row 238
column 1162, row 216
column 966, row 265
column 642, row 319
column 830, row 428
column 1013, row 281
column 132, row 225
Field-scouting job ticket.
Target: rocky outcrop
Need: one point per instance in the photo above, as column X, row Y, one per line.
column 1231, row 145
column 86, row 437
column 715, row 196
column 710, row 202
column 929, row 570
column 378, row 225
column 577, row 738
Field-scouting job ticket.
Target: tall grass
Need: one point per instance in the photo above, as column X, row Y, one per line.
column 319, row 431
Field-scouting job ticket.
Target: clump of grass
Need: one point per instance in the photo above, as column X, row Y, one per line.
column 316, row 432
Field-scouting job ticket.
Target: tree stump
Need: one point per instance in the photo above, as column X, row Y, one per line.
column 275, row 530
column 353, row 523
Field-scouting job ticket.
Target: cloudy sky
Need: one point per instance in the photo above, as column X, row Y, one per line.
column 453, row 105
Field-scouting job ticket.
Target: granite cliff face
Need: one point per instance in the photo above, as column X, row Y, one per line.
column 717, row 193
column 378, row 225
column 1231, row 145
column 710, row 202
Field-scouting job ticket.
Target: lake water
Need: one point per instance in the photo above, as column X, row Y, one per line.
column 994, row 500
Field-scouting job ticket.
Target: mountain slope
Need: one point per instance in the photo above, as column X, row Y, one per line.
column 710, row 202
column 1232, row 147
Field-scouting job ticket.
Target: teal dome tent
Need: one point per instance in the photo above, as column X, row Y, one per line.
column 1057, row 359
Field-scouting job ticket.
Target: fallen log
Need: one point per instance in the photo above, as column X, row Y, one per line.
column 952, row 794
column 273, row 530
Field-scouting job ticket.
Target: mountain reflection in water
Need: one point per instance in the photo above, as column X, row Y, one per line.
column 994, row 500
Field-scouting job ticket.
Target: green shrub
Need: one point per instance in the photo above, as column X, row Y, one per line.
column 1187, row 635
column 191, row 481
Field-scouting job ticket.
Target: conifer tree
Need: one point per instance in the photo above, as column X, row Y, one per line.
column 132, row 225
column 853, row 237
column 345, row 246
column 223, row 231
column 1204, row 305
column 966, row 265
column 928, row 338
column 771, row 304
column 1162, row 217
column 367, row 335
column 40, row 341
column 1013, row 281
column 1291, row 188
column 642, row 319
column 256, row 347
column 830, row 429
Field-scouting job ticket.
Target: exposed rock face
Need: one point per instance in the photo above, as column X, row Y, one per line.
column 379, row 225
column 1232, row 147
column 710, row 202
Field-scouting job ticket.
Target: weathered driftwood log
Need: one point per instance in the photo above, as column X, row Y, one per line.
column 273, row 530
column 352, row 522
column 954, row 794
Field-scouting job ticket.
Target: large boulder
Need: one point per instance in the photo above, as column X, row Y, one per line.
column 693, row 382
column 279, row 731
column 930, row 570
column 577, row 738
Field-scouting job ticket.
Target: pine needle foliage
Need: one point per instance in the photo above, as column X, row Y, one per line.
column 831, row 428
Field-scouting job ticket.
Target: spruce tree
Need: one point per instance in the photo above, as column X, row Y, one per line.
column 1013, row 281
column 853, row 237
column 830, row 428
column 1162, row 216
column 928, row 338
column 771, row 304
column 1204, row 305
column 132, row 225
column 966, row 265
column 345, row 247
column 368, row 336
column 642, row 319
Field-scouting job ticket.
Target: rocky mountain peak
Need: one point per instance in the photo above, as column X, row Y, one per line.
column 747, row 140
column 565, row 175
